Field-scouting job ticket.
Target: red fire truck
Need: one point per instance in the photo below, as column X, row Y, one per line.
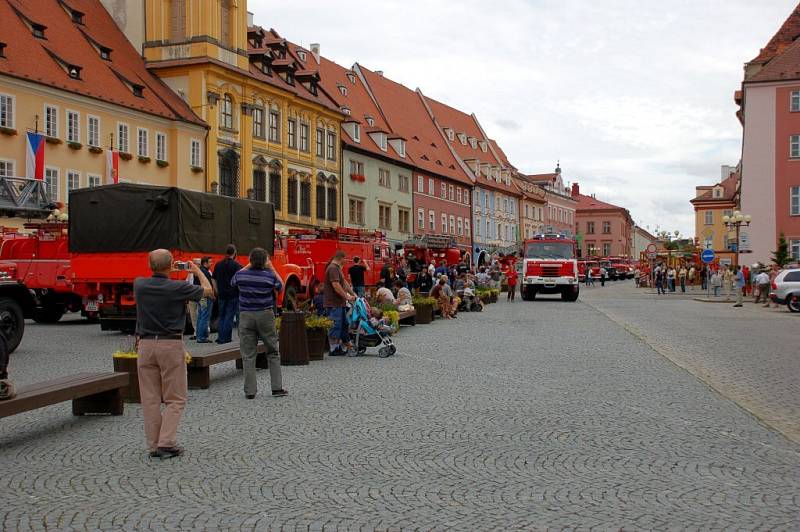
column 431, row 249
column 550, row 267
column 312, row 249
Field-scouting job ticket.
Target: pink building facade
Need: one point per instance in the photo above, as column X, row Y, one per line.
column 605, row 229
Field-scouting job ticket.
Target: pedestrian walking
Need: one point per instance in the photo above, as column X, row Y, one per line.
column 227, row 294
column 704, row 274
column 716, row 283
column 161, row 365
column 258, row 285
column 636, row 274
column 659, row 279
column 682, row 273
column 603, row 275
column 511, row 280
column 728, row 280
column 671, row 274
column 200, row 311
column 740, row 284
column 692, row 274
column 762, row 281
column 337, row 293
column 356, row 274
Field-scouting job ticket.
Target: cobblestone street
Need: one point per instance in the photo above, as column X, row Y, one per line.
column 528, row 415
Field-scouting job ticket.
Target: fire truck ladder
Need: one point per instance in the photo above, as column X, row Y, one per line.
column 20, row 196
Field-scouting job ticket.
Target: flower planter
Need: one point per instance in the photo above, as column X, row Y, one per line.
column 424, row 314
column 95, row 149
column 144, row 159
column 125, row 156
column 8, row 131
column 196, row 169
column 162, row 164
column 317, row 343
column 53, row 140
column 74, row 145
column 127, row 364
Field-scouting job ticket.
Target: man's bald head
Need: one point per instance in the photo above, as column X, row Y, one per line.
column 160, row 261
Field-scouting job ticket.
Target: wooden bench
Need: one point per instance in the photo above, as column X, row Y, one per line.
column 90, row 393
column 408, row 317
column 199, row 368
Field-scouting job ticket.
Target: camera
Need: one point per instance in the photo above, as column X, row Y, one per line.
column 180, row 265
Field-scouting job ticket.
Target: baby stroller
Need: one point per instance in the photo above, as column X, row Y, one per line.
column 365, row 334
column 469, row 301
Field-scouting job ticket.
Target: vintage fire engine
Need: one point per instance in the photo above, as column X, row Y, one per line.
column 550, row 267
column 431, row 249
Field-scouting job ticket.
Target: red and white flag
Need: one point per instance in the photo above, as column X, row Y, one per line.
column 34, row 157
column 112, row 167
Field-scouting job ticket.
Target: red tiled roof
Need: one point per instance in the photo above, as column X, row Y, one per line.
column 784, row 66
column 786, row 35
column 32, row 59
column 542, row 178
column 405, row 114
column 588, row 203
column 730, row 186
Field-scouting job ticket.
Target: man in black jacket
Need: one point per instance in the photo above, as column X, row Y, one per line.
column 227, row 295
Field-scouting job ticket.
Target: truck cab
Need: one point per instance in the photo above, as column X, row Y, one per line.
column 550, row 267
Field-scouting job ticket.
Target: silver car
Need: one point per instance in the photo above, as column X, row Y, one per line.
column 786, row 289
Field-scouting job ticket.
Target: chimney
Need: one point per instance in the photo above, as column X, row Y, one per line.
column 576, row 190
column 315, row 51
column 249, row 19
column 379, row 72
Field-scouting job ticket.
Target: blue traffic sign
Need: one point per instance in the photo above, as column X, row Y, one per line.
column 708, row 255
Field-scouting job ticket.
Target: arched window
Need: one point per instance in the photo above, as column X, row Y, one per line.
column 229, row 173
column 177, row 20
column 332, row 203
column 226, row 112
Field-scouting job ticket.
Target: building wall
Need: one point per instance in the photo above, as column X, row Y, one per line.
column 129, row 16
column 434, row 203
column 373, row 195
column 559, row 214
column 715, row 235
column 496, row 218
column 758, row 170
column 531, row 218
column 787, row 170
column 615, row 242
column 640, row 241
column 30, row 100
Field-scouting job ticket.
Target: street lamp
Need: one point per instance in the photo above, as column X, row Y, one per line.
column 735, row 222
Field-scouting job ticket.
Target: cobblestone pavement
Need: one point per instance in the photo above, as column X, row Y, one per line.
column 750, row 355
column 529, row 415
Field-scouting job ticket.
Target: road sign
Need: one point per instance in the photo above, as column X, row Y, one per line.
column 708, row 255
column 652, row 254
column 651, row 248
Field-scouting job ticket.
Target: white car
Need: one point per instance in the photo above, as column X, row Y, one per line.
column 786, row 289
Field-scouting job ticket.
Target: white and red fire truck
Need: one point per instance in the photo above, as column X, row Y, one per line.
column 550, row 267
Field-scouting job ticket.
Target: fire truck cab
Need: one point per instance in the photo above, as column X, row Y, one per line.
column 550, row 267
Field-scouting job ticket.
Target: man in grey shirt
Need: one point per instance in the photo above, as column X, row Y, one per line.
column 160, row 320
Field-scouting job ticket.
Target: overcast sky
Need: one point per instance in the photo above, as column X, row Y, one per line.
column 634, row 97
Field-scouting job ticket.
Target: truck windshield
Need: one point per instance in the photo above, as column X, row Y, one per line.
column 548, row 250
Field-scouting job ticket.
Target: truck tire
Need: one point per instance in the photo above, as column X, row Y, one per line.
column 569, row 295
column 528, row 294
column 48, row 314
column 12, row 322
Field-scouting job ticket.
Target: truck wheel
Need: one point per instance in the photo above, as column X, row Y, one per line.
column 12, row 322
column 528, row 294
column 48, row 314
column 569, row 295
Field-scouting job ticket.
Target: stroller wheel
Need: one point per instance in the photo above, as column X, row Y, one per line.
column 361, row 350
column 393, row 349
column 386, row 351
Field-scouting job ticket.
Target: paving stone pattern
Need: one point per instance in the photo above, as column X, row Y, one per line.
column 529, row 415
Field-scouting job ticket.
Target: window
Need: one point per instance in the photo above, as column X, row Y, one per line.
column 795, row 101
column 50, row 121
column 431, row 220
column 452, row 224
column 420, row 184
column 385, row 217
column 606, row 228
column 177, row 20
column 431, row 187
column 331, row 146
column 291, row 132
column 357, row 132
column 161, row 147
column 51, row 183
column 122, row 138
column 6, row 111
column 320, row 202
column 258, row 122
column 275, row 189
column 709, row 217
column 304, row 137
column 356, row 211
column 194, row 157
column 589, row 228
column 332, row 204
column 73, row 127
column 320, row 142
column 73, row 181
column 384, row 179
column 794, row 149
column 458, row 194
column 421, row 218
column 6, row 168
column 606, row 249
column 94, row 180
column 794, row 249
column 505, row 205
column 403, row 183
column 444, row 191
column 305, row 198
column 460, row 223
column 356, row 167
column 452, row 194
column 403, row 220
column 444, row 223
column 226, row 112
column 466, row 228
column 141, row 144
column 274, row 126
column 93, row 131
column 794, row 201
column 466, row 197
column 291, row 193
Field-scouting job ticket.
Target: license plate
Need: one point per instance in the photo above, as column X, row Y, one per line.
column 91, row 306
column 549, row 280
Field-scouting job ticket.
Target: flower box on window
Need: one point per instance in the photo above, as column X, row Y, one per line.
column 53, row 140
column 144, row 159
column 95, row 149
column 197, row 169
column 358, row 178
column 8, row 131
column 125, row 156
column 162, row 164
column 74, row 145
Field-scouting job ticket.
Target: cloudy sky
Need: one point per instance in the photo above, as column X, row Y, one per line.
column 634, row 97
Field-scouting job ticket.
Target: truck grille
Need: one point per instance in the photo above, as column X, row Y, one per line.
column 551, row 271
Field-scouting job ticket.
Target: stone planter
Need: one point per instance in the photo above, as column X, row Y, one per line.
column 317, row 343
column 424, row 314
column 128, row 365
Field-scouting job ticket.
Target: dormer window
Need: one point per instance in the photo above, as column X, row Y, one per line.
column 473, row 142
column 105, row 53
column 380, row 139
column 352, row 77
column 462, row 138
column 301, row 54
column 357, row 132
column 265, row 68
column 484, row 147
column 290, row 78
column 370, row 121
column 399, row 146
column 313, row 88
column 342, row 89
column 717, row 192
column 74, row 71
column 138, row 90
column 2, row 49
column 450, row 133
column 77, row 17
column 346, row 110
column 38, row 30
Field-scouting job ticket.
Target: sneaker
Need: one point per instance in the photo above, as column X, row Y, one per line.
column 250, row 396
column 737, row 305
column 168, row 452
column 204, row 341
column 279, row 393
column 192, row 337
column 337, row 352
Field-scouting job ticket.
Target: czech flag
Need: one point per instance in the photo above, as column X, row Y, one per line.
column 112, row 167
column 34, row 157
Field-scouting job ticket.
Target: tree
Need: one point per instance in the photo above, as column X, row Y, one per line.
column 781, row 255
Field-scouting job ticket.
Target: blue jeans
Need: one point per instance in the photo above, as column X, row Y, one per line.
column 203, row 315
column 227, row 309
column 339, row 331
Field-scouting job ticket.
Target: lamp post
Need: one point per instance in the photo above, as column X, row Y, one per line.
column 736, row 222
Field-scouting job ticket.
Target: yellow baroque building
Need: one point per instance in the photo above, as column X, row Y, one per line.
column 273, row 131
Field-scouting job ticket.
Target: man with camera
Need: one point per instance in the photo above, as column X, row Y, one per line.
column 160, row 320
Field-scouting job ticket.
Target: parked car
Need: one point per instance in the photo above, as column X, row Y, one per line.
column 786, row 289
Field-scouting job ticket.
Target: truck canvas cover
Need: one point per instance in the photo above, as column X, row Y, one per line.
column 130, row 218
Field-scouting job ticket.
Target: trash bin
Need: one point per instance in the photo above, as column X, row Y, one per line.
column 293, row 341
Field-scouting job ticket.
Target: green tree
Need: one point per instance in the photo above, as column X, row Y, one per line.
column 781, row 255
